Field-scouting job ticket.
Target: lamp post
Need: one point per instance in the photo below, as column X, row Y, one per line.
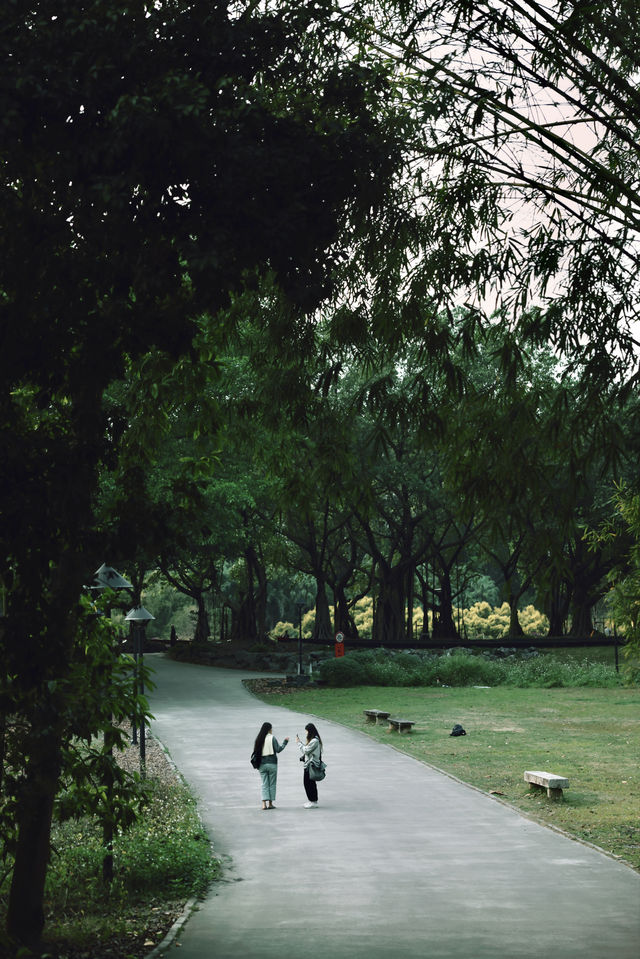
column 437, row 610
column 139, row 617
column 300, row 608
column 108, row 577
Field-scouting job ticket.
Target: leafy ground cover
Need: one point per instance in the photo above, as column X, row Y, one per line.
column 160, row 863
column 590, row 735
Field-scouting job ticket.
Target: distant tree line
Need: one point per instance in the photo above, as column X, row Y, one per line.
column 342, row 491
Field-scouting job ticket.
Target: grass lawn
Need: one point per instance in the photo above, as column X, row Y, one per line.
column 590, row 736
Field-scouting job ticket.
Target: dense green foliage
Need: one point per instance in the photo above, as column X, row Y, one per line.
column 165, row 853
column 624, row 577
column 380, row 668
column 163, row 859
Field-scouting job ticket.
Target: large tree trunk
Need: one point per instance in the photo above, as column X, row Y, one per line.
column 557, row 609
column 344, row 621
column 515, row 629
column 202, row 630
column 424, row 593
column 410, row 595
column 243, row 620
column 443, row 624
column 3, row 744
column 245, row 612
column 589, row 586
column 38, row 655
column 25, row 914
column 513, row 590
column 581, row 615
column 256, row 567
column 389, row 625
column 322, row 632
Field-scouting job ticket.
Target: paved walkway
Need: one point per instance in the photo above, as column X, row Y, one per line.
column 398, row 861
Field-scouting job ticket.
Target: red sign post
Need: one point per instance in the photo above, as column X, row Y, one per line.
column 339, row 644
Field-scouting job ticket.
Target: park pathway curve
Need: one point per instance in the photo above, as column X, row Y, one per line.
column 397, row 862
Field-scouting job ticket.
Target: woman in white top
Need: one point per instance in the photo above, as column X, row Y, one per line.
column 312, row 749
column 267, row 747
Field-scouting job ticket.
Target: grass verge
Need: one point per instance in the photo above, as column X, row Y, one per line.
column 591, row 736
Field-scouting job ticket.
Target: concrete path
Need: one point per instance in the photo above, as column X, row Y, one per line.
column 398, row 861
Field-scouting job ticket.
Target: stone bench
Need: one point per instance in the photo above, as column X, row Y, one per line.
column 376, row 716
column 549, row 781
column 401, row 725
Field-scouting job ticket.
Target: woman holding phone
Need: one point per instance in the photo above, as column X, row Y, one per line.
column 312, row 749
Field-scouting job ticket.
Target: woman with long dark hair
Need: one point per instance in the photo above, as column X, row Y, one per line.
column 266, row 748
column 312, row 749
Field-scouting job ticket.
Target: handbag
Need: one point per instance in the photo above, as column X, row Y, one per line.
column 255, row 760
column 317, row 769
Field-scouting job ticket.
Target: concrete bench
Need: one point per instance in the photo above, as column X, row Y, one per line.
column 401, row 725
column 376, row 716
column 549, row 781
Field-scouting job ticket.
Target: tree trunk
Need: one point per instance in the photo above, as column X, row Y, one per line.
column 25, row 914
column 3, row 746
column 588, row 586
column 581, row 618
column 255, row 566
column 344, row 621
column 390, row 607
column 322, row 632
column 512, row 595
column 443, row 624
column 202, row 631
column 424, row 593
column 41, row 666
column 515, row 629
column 557, row 610
column 410, row 595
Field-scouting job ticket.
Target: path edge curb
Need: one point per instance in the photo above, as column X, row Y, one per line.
column 174, row 931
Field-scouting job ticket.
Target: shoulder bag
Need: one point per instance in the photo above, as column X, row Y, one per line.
column 317, row 769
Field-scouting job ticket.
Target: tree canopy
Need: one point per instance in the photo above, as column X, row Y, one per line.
column 155, row 158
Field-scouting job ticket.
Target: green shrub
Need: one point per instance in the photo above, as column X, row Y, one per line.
column 463, row 669
column 548, row 673
column 345, row 671
column 267, row 646
column 381, row 668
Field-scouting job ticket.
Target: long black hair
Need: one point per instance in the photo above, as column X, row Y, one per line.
column 312, row 733
column 265, row 729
